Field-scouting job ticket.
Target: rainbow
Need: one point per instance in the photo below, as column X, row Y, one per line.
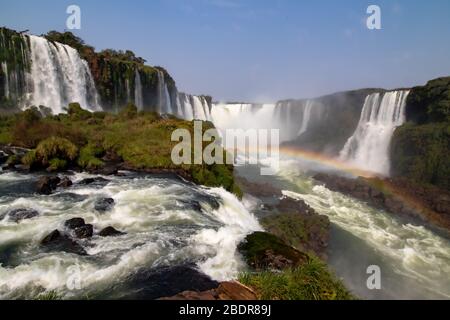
column 326, row 161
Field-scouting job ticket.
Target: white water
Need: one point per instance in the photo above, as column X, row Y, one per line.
column 5, row 72
column 417, row 259
column 59, row 76
column 138, row 97
column 306, row 117
column 368, row 148
column 162, row 228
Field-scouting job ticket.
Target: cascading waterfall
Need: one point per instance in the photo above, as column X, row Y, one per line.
column 138, row 95
column 368, row 148
column 6, row 75
column 59, row 76
column 164, row 103
column 306, row 117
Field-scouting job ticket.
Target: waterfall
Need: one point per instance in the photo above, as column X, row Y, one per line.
column 164, row 103
column 138, row 96
column 59, row 76
column 306, row 117
column 368, row 147
column 5, row 72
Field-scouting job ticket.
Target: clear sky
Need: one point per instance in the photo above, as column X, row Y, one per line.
column 261, row 50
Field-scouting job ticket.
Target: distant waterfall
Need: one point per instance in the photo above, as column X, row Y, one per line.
column 6, row 75
column 164, row 101
column 193, row 107
column 59, row 76
column 138, row 95
column 306, row 117
column 368, row 148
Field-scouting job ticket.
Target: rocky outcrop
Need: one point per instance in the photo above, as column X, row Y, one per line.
column 46, row 185
column 299, row 226
column 263, row 250
column 397, row 196
column 230, row 290
column 104, row 204
column 56, row 241
column 18, row 215
column 110, row 232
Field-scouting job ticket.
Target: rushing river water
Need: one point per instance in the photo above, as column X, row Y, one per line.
column 414, row 261
column 168, row 222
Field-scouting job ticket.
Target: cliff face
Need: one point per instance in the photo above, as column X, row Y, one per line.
column 420, row 150
column 14, row 64
column 119, row 77
column 333, row 120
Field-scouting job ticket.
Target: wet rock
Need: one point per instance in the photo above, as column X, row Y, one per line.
column 263, row 251
column 110, row 232
column 46, row 185
column 104, row 204
column 89, row 181
column 165, row 281
column 74, row 223
column 18, row 215
column 3, row 157
column 56, row 241
column 231, row 290
column 84, row 232
column 65, row 183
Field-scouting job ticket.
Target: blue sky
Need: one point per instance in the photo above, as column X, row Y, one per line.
column 261, row 50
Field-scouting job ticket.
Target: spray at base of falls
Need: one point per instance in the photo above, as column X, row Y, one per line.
column 368, row 148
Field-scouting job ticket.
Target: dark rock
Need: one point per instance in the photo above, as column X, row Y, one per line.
column 84, row 232
column 3, row 157
column 74, row 223
column 65, row 183
column 165, row 281
column 88, row 181
column 46, row 185
column 56, row 241
column 104, row 204
column 110, row 232
column 263, row 250
column 226, row 291
column 106, row 170
column 18, row 215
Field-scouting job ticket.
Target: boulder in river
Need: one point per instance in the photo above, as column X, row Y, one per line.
column 104, row 204
column 65, row 183
column 110, row 232
column 84, row 232
column 74, row 223
column 89, row 181
column 18, row 215
column 46, row 185
column 227, row 291
column 56, row 241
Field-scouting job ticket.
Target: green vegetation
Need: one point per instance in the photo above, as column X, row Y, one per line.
column 50, row 295
column 420, row 150
column 256, row 246
column 296, row 230
column 422, row 153
column 82, row 138
column 310, row 281
column 430, row 103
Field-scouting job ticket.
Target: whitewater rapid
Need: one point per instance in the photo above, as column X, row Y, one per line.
column 414, row 259
column 167, row 222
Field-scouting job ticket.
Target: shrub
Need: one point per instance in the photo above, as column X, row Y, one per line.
column 55, row 147
column 88, row 157
column 310, row 281
column 75, row 111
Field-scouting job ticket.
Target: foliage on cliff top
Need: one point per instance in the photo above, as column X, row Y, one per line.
column 430, row 103
column 422, row 153
column 310, row 281
column 141, row 139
